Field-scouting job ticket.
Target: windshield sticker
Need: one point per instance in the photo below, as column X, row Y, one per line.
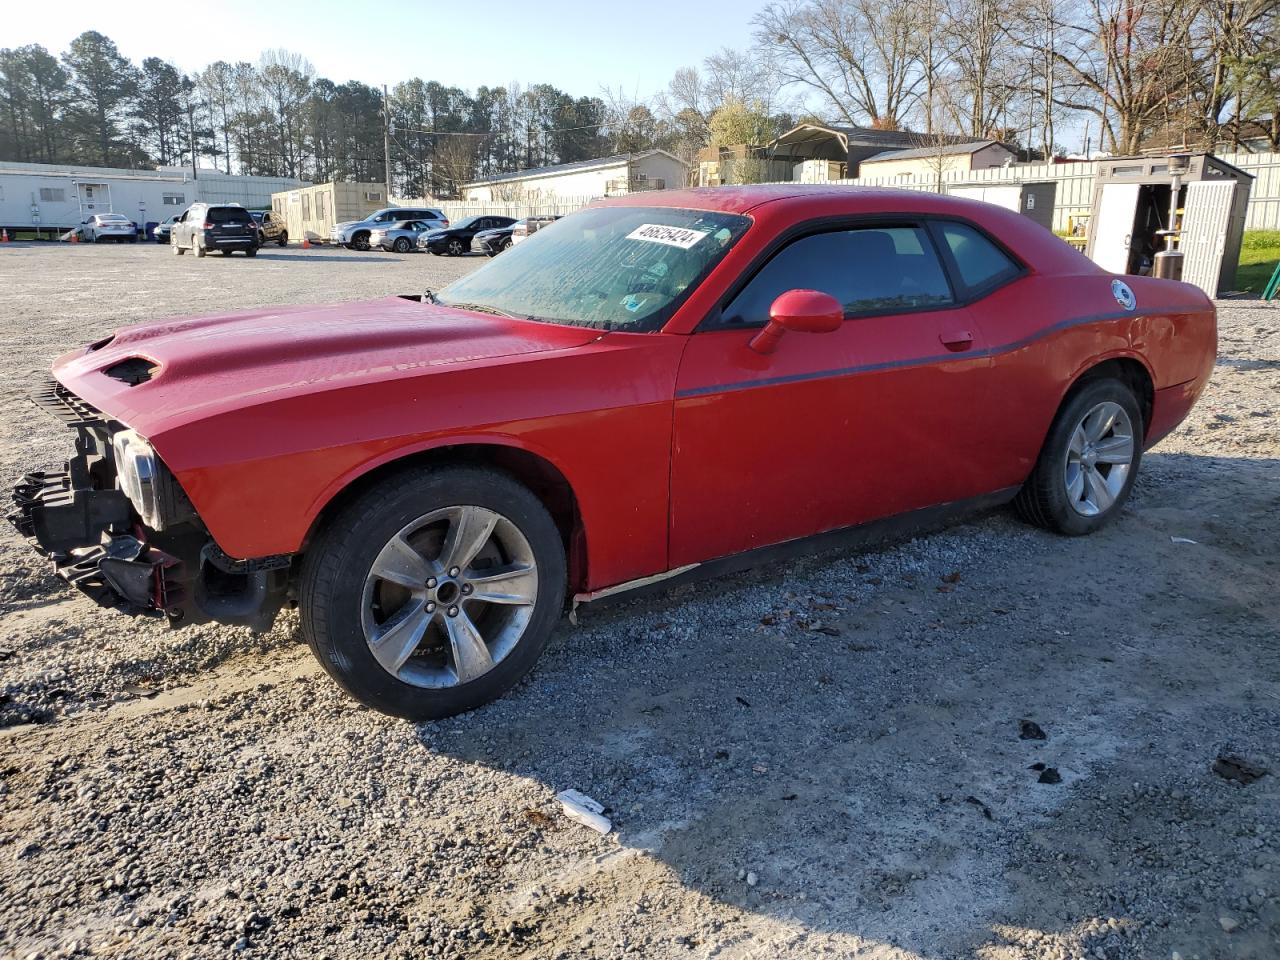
column 634, row 302
column 672, row 236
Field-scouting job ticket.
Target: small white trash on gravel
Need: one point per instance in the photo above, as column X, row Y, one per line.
column 1183, row 540
column 582, row 809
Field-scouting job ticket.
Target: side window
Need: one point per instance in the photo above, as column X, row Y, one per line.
column 869, row 270
column 979, row 262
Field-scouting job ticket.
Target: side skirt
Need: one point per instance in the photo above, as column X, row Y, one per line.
column 873, row 533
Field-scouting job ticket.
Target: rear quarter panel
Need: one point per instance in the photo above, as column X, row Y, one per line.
column 1048, row 331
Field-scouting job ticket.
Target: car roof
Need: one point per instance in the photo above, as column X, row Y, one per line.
column 789, row 203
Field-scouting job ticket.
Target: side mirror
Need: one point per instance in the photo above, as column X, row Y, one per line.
column 801, row 311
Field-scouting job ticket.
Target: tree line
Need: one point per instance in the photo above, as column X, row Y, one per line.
column 1136, row 74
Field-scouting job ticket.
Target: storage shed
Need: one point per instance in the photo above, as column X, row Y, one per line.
column 1033, row 200
column 1131, row 201
column 940, row 158
column 310, row 212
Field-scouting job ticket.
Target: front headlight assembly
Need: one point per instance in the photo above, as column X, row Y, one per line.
column 136, row 475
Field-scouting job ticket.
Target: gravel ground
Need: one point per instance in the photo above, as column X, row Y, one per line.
column 985, row 743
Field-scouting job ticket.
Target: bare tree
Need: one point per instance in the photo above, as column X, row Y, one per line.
column 861, row 55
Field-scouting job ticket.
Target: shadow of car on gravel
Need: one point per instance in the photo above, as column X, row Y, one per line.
column 851, row 772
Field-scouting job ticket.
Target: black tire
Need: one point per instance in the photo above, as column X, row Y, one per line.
column 251, row 252
column 360, row 241
column 225, row 253
column 339, row 559
column 401, row 245
column 283, row 239
column 1044, row 500
column 198, row 247
column 177, row 249
column 505, row 245
column 456, row 247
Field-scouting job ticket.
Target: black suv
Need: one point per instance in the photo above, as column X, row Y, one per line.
column 214, row 226
column 270, row 227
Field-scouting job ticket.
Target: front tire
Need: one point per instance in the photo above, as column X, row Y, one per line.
column 360, row 242
column 401, row 245
column 433, row 592
column 456, row 248
column 1088, row 463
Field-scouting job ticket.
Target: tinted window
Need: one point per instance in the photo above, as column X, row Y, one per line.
column 226, row 215
column 868, row 270
column 979, row 262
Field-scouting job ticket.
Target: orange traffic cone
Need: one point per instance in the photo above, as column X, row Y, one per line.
column 306, row 243
column 4, row 235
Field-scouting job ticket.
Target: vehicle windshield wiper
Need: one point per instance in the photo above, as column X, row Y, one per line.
column 484, row 308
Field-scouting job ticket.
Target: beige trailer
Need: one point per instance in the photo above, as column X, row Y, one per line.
column 310, row 212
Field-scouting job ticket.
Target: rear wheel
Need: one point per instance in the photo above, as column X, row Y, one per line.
column 198, row 247
column 251, row 252
column 435, row 591
column 283, row 239
column 1089, row 461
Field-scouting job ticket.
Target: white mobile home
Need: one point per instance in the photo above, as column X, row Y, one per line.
column 603, row 177
column 56, row 197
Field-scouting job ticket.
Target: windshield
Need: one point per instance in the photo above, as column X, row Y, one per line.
column 466, row 224
column 612, row 268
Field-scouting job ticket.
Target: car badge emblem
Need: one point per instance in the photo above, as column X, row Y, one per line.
column 1123, row 294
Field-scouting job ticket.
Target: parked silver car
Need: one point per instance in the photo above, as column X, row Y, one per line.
column 401, row 236
column 161, row 232
column 355, row 233
column 108, row 226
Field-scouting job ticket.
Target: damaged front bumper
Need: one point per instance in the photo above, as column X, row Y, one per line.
column 85, row 524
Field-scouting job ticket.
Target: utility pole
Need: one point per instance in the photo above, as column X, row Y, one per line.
column 386, row 140
column 191, row 132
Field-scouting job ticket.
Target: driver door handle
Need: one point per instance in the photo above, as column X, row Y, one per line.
column 957, row 339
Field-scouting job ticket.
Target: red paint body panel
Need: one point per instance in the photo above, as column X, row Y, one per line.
column 680, row 445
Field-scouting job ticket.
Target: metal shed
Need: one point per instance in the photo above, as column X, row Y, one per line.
column 1132, row 197
column 1033, row 200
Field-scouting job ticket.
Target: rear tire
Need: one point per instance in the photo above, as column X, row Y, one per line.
column 251, row 252
column 198, row 247
column 1089, row 461
column 284, row 239
column 455, row 651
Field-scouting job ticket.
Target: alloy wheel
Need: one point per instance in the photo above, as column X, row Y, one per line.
column 449, row 596
column 1099, row 457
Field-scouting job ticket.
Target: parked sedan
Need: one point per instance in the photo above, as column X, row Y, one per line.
column 163, row 229
column 108, row 226
column 456, row 240
column 664, row 386
column 493, row 242
column 402, row 236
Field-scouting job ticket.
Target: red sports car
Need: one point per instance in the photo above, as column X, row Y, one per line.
column 659, row 385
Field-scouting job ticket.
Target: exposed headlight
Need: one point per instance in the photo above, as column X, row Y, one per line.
column 136, row 474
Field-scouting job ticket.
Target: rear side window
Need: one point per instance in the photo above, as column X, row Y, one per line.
column 869, row 270
column 979, row 262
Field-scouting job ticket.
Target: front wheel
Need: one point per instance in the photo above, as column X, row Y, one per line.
column 360, row 241
column 1088, row 463
column 177, row 250
column 401, row 245
column 435, row 591
column 455, row 248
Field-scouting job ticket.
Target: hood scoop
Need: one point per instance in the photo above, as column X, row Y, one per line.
column 133, row 370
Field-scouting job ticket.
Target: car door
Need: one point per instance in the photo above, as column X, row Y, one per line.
column 830, row 429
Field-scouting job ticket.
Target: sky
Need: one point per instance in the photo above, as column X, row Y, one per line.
column 579, row 46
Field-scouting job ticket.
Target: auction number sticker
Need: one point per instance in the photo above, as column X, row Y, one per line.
column 681, row 237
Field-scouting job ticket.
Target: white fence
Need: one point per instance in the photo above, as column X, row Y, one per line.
column 1074, row 194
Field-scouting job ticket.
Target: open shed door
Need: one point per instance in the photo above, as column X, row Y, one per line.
column 1113, row 228
column 1205, row 218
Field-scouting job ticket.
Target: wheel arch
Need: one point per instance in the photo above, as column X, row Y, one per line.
column 1129, row 370
column 535, row 471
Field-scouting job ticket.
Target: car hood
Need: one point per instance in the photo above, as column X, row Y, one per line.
column 199, row 367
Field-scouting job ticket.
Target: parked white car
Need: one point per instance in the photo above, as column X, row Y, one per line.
column 108, row 226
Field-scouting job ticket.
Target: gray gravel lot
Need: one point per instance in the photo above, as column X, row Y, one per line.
column 823, row 758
